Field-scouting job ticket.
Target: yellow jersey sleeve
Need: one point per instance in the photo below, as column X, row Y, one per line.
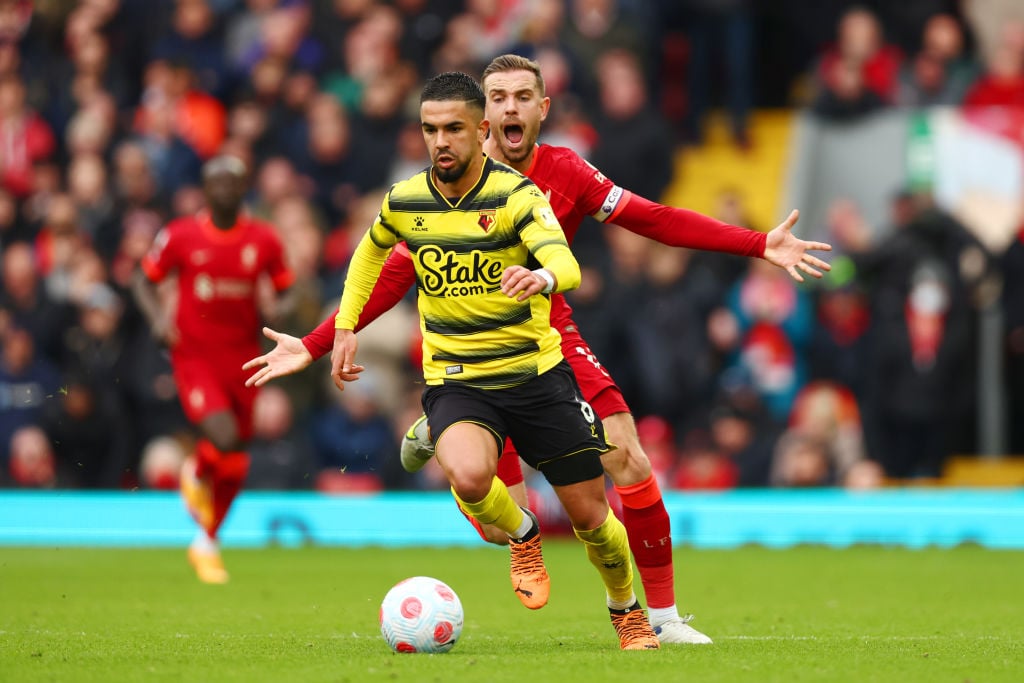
column 364, row 270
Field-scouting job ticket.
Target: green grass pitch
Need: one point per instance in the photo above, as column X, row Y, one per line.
column 310, row 614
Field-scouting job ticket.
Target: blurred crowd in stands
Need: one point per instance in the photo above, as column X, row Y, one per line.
column 737, row 375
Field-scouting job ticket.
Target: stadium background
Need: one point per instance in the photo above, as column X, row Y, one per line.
column 902, row 368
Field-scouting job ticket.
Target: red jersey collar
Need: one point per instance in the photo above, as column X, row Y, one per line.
column 216, row 234
column 533, row 162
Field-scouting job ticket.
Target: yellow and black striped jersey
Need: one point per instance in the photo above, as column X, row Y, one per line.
column 472, row 332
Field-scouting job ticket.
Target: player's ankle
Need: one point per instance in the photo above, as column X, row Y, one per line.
column 660, row 615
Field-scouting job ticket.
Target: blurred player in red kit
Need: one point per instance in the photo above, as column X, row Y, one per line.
column 516, row 106
column 221, row 259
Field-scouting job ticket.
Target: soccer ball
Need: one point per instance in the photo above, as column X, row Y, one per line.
column 421, row 614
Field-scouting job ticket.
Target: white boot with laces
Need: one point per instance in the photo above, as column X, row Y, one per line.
column 679, row 632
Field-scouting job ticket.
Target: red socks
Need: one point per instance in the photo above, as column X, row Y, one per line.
column 509, row 469
column 476, row 524
column 226, row 473
column 650, row 538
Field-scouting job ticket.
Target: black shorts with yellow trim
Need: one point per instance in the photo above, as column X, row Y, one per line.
column 555, row 431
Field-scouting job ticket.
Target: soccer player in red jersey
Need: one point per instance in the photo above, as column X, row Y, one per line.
column 516, row 107
column 220, row 258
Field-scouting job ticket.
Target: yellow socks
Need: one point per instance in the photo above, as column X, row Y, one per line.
column 608, row 550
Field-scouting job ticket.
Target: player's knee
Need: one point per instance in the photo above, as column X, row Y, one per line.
column 222, row 431
column 469, row 486
column 590, row 517
column 587, row 508
column 228, row 440
column 627, row 464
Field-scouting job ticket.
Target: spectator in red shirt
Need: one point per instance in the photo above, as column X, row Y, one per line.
column 1002, row 83
column 861, row 46
column 25, row 138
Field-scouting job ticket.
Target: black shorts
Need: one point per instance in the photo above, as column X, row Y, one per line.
column 555, row 431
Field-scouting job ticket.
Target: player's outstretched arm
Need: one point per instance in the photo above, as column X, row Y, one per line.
column 288, row 356
column 788, row 251
column 291, row 354
column 395, row 279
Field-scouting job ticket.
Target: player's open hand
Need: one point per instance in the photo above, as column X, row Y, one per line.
column 343, row 358
column 788, row 251
column 521, row 282
column 288, row 356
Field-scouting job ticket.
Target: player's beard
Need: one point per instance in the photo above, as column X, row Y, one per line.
column 450, row 175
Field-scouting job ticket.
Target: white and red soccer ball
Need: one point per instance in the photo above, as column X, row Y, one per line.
column 421, row 614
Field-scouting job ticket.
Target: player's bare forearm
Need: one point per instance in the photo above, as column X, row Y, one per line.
column 147, row 298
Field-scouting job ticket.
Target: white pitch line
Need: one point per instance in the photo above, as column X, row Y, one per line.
column 861, row 638
column 480, row 636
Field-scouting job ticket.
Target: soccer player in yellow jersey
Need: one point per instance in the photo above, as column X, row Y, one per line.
column 487, row 252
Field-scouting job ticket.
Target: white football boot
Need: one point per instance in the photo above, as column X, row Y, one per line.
column 417, row 448
column 679, row 632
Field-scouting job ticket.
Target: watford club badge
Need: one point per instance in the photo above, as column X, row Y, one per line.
column 486, row 219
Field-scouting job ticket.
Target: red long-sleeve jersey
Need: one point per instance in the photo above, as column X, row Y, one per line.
column 575, row 190
column 218, row 272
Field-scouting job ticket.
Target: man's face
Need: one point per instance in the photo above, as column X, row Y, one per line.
column 515, row 110
column 454, row 133
column 224, row 190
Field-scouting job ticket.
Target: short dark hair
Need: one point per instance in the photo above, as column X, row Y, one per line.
column 453, row 86
column 225, row 163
